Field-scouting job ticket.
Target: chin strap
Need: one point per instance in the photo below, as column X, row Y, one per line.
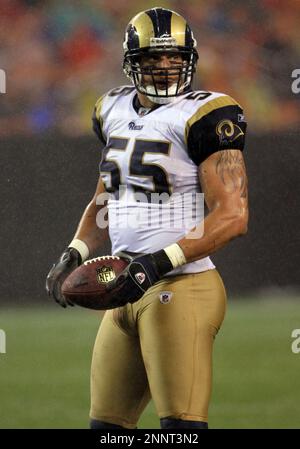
column 150, row 92
column 161, row 100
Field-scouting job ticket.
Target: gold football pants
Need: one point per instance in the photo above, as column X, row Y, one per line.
column 159, row 347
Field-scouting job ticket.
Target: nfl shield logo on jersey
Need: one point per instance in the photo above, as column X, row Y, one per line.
column 165, row 297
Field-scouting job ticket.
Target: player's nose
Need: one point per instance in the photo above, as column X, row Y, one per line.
column 164, row 62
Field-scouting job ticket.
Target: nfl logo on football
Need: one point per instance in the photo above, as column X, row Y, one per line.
column 165, row 297
column 105, row 274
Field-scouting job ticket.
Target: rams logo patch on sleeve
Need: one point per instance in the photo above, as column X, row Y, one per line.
column 228, row 131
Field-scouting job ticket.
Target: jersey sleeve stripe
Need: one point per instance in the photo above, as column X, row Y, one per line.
column 208, row 107
column 98, row 109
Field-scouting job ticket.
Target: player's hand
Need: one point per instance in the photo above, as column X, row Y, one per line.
column 141, row 273
column 68, row 261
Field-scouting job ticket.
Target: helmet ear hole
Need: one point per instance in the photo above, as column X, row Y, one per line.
column 136, row 59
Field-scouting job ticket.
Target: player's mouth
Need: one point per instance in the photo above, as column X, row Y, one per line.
column 164, row 84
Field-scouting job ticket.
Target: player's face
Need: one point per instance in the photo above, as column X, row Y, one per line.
column 162, row 64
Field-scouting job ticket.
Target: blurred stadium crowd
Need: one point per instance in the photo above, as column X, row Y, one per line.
column 60, row 56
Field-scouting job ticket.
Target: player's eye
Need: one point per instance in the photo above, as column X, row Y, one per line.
column 153, row 60
column 176, row 59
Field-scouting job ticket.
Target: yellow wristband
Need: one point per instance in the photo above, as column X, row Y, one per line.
column 175, row 254
column 81, row 247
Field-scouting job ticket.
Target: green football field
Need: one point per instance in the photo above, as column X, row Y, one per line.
column 44, row 374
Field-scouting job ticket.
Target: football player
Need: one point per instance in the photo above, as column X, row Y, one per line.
column 160, row 138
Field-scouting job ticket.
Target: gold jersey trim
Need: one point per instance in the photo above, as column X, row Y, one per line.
column 216, row 103
column 98, row 107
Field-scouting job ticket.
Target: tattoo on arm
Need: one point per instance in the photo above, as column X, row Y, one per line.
column 231, row 169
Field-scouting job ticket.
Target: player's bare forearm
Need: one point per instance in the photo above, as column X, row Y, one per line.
column 88, row 231
column 224, row 184
column 220, row 227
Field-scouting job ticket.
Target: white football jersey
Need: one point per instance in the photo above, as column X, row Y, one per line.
column 150, row 165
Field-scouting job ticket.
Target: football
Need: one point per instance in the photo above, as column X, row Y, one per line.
column 86, row 285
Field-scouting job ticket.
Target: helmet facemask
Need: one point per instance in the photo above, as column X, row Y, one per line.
column 161, row 84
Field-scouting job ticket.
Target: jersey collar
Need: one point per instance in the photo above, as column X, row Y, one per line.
column 140, row 109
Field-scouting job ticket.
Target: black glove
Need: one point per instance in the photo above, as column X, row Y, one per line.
column 69, row 260
column 143, row 271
